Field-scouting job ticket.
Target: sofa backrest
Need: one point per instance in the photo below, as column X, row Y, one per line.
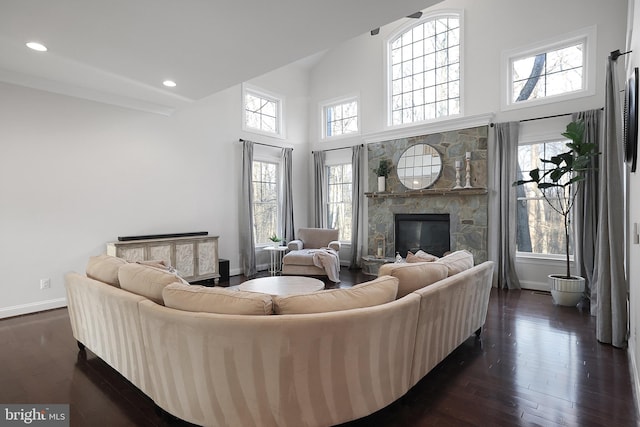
column 349, row 363
column 451, row 310
column 106, row 319
column 314, row 238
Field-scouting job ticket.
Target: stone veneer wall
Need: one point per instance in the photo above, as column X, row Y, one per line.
column 468, row 213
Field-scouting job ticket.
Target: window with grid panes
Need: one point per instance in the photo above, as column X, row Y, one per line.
column 339, row 206
column 539, row 228
column 341, row 118
column 425, row 71
column 261, row 112
column 265, row 200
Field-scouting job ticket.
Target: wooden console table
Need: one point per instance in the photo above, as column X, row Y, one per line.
column 195, row 257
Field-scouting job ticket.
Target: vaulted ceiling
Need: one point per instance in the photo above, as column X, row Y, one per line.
column 120, row 51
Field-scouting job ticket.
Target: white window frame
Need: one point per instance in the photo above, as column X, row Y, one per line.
column 329, row 192
column 537, row 132
column 458, row 13
column 264, row 158
column 585, row 35
column 332, row 103
column 279, row 101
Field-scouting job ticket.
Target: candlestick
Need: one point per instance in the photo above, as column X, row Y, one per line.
column 468, row 177
column 458, row 167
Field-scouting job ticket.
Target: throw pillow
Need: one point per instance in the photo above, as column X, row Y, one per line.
column 420, row 256
column 457, row 261
column 216, row 300
column 413, row 276
column 104, row 268
column 379, row 291
column 146, row 280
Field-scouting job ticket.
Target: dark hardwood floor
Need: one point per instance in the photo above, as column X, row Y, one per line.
column 536, row 364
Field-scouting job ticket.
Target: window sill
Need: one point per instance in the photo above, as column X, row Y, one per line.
column 527, row 257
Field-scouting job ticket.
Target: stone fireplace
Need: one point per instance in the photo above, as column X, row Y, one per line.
column 466, row 208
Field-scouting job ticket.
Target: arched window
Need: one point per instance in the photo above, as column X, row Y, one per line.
column 424, row 70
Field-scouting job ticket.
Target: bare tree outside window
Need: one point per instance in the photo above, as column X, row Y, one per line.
column 540, row 229
column 339, row 207
column 265, row 200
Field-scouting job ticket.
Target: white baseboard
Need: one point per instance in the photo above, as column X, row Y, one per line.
column 534, row 286
column 235, row 272
column 34, row 307
column 634, row 372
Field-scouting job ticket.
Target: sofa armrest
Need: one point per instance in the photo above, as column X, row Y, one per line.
column 295, row 245
column 335, row 245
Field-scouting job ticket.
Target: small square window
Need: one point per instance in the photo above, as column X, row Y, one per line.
column 262, row 112
column 340, row 118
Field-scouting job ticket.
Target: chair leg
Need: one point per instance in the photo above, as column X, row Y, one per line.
column 80, row 346
column 478, row 332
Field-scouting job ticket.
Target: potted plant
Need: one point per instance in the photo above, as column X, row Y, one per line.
column 382, row 171
column 559, row 182
column 276, row 240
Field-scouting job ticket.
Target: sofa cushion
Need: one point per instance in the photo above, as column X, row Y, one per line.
column 146, row 280
column 216, row 300
column 457, row 261
column 104, row 268
column 420, row 256
column 301, row 257
column 413, row 276
column 379, row 291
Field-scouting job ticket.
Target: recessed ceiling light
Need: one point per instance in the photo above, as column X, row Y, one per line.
column 169, row 83
column 37, row 46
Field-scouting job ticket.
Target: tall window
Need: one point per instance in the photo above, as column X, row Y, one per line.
column 265, row 200
column 425, row 71
column 262, row 112
column 341, row 118
column 543, row 72
column 340, row 208
column 540, row 229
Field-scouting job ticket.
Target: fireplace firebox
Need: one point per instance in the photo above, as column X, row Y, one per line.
column 429, row 232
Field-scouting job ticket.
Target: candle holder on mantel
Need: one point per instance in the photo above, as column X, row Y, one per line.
column 380, row 246
column 468, row 170
column 458, row 168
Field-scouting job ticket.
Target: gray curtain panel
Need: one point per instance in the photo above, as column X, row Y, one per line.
column 247, row 239
column 585, row 210
column 357, row 191
column 502, row 160
column 609, row 277
column 319, row 189
column 286, row 201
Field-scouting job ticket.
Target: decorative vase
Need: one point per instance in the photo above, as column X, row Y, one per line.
column 381, row 184
column 566, row 292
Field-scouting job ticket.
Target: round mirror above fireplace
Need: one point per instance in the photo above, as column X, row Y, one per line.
column 419, row 166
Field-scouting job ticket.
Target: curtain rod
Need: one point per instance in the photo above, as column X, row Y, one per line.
column 340, row 148
column 615, row 54
column 545, row 117
column 262, row 143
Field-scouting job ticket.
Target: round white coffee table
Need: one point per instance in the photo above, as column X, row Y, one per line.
column 282, row 285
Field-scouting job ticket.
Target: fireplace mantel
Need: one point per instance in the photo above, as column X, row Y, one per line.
column 431, row 192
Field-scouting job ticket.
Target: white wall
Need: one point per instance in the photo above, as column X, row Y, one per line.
column 490, row 28
column 75, row 174
column 633, row 181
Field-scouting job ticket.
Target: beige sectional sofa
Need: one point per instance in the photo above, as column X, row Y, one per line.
column 326, row 358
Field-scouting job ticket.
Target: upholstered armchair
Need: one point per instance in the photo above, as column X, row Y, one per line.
column 313, row 253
